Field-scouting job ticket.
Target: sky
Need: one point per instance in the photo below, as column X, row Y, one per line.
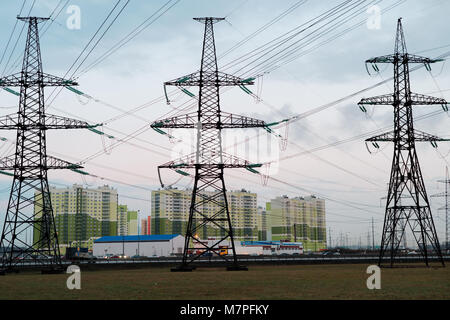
column 354, row 180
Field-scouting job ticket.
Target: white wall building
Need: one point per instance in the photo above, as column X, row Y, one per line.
column 145, row 245
column 272, row 247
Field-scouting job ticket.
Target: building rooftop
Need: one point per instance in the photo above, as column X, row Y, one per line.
column 311, row 197
column 155, row 237
column 269, row 243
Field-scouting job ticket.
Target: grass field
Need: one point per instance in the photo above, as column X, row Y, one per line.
column 260, row 282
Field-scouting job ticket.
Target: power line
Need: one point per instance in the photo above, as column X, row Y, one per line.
column 18, row 38
column 94, row 45
column 53, row 19
column 12, row 33
column 264, row 27
column 130, row 36
column 278, row 41
column 236, row 8
column 334, row 37
column 42, row 34
column 284, row 51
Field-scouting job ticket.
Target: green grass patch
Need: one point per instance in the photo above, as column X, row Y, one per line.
column 260, row 282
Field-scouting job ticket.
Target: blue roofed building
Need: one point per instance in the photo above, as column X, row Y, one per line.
column 139, row 245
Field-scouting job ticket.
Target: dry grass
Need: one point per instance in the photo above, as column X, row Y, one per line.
column 261, row 282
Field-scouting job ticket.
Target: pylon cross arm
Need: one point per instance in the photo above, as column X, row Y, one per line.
column 11, row 163
column 12, row 121
column 230, row 120
column 414, row 99
column 409, row 58
column 384, row 100
column 58, row 122
column 211, row 19
column 412, row 58
column 227, row 121
column 190, row 162
column 8, row 122
column 383, row 59
column 419, row 136
column 43, row 79
column 28, row 19
column 209, row 78
column 422, row 99
column 13, row 80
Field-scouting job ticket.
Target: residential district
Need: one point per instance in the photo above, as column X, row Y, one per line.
column 92, row 219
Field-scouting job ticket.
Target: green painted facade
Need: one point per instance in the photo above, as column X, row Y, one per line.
column 298, row 219
column 127, row 221
column 170, row 213
column 82, row 215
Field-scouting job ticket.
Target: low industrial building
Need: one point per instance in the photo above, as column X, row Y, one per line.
column 252, row 248
column 144, row 246
column 272, row 247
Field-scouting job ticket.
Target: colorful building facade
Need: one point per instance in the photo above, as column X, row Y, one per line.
column 82, row 214
column 297, row 219
column 170, row 214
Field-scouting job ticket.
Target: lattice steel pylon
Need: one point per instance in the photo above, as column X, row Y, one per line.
column 29, row 203
column 446, row 207
column 209, row 161
column 407, row 199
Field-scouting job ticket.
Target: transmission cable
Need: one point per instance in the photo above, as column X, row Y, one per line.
column 12, row 33
column 130, row 36
column 93, row 47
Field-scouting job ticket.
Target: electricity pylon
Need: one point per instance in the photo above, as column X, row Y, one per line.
column 29, row 203
column 446, row 207
column 209, row 161
column 406, row 180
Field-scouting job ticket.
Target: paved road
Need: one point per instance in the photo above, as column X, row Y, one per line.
column 216, row 261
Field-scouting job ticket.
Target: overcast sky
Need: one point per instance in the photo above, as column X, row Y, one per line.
column 171, row 47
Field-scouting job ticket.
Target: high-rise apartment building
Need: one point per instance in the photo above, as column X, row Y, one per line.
column 132, row 222
column 170, row 213
column 122, row 219
column 299, row 219
column 143, row 230
column 82, row 214
column 262, row 224
column 149, row 225
column 127, row 221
